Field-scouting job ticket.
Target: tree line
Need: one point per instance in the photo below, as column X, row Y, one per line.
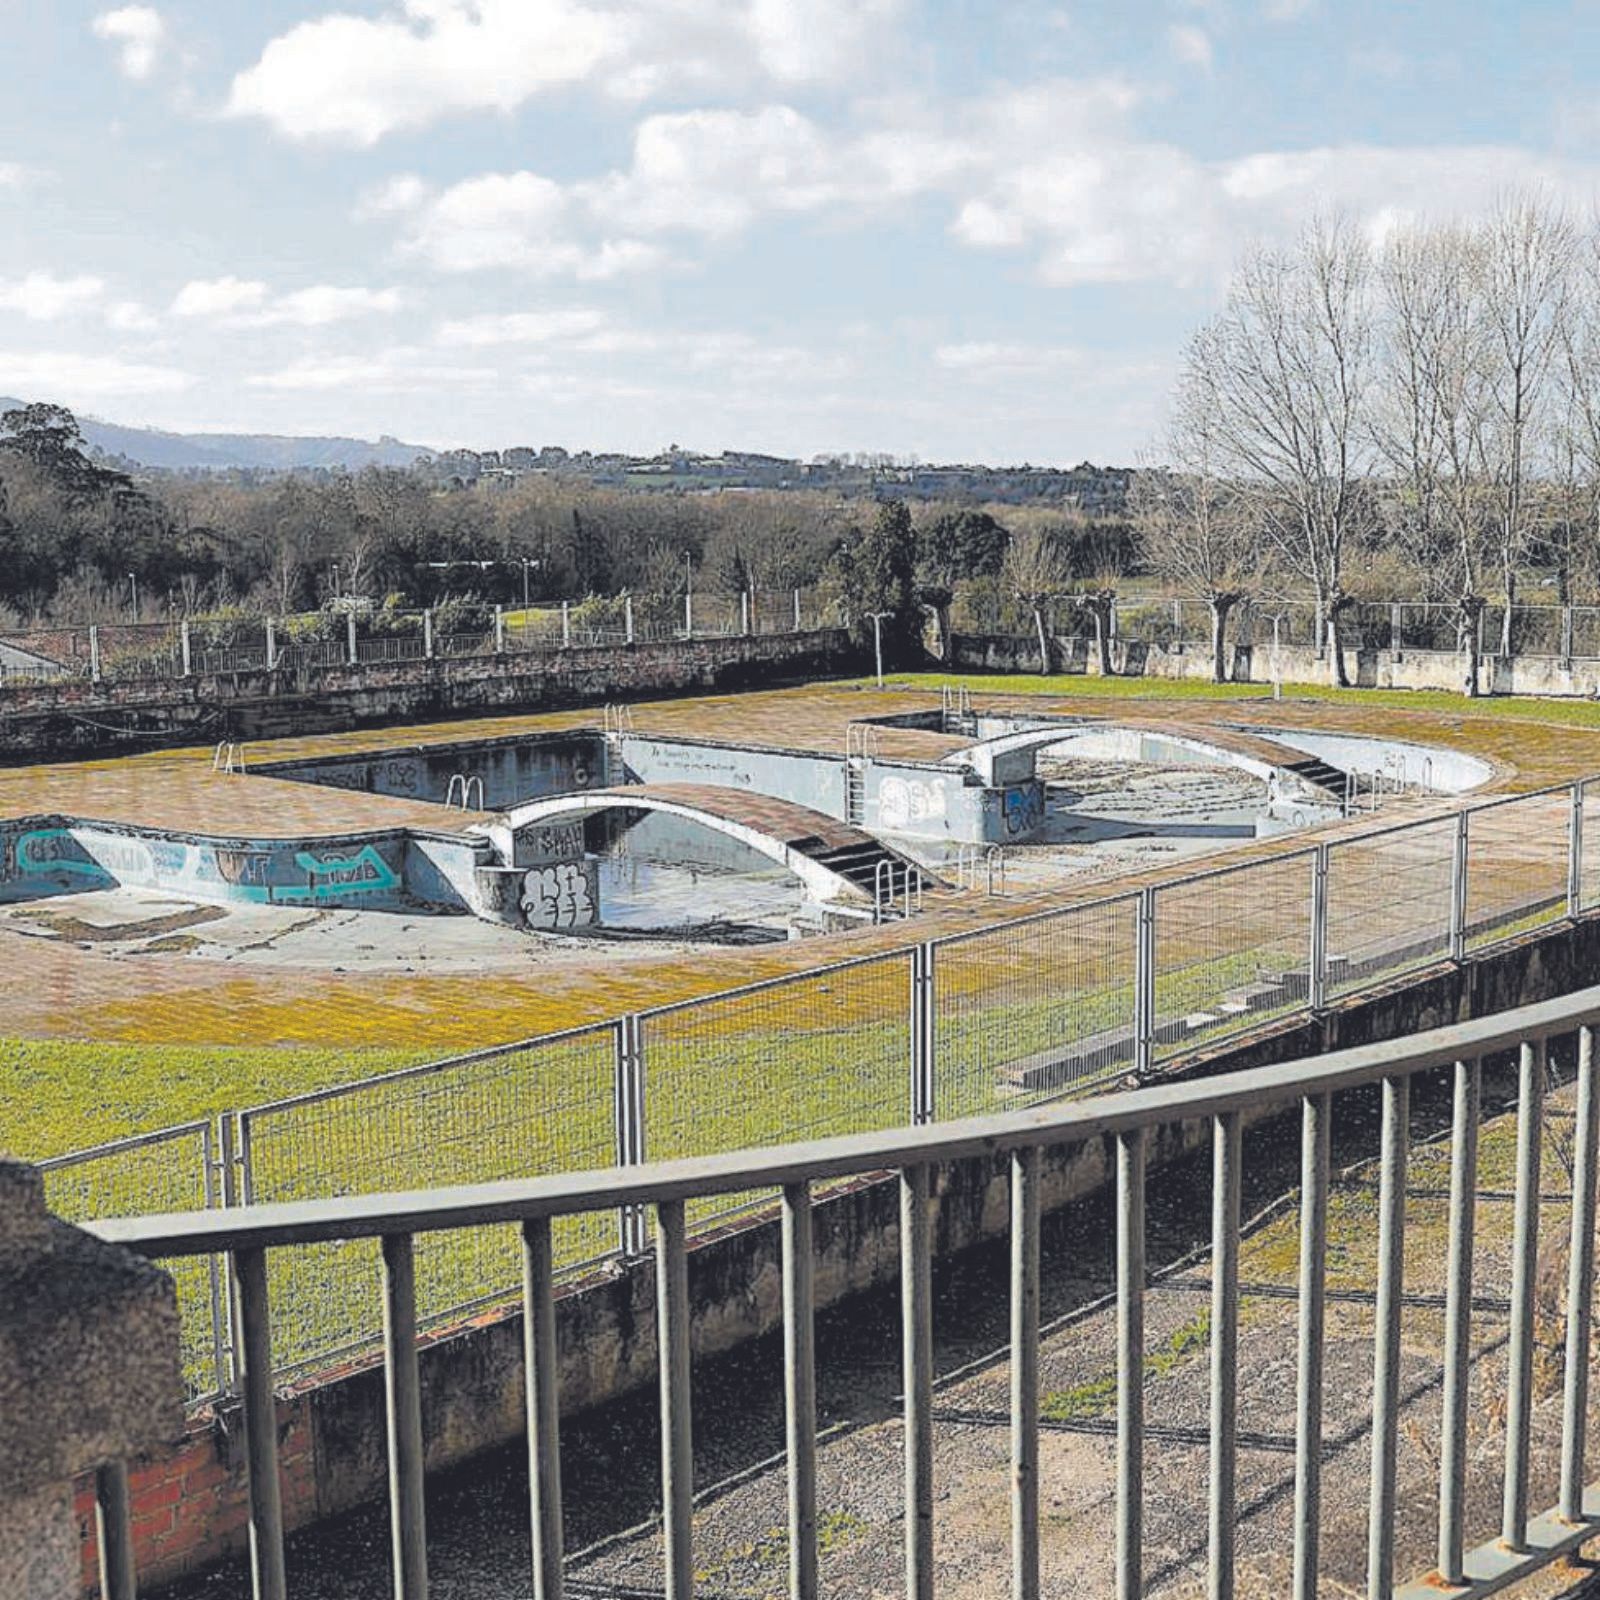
column 1416, row 417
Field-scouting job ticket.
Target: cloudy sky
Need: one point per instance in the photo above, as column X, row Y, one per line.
column 964, row 229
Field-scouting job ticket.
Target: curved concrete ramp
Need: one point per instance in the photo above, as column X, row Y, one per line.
column 830, row 857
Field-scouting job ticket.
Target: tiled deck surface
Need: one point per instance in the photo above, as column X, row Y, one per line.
column 62, row 989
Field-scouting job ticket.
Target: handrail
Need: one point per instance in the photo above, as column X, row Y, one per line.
column 844, row 1155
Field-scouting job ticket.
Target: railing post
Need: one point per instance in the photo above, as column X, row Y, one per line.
column 260, row 1427
column 566, row 625
column 800, row 1389
column 1458, row 1318
column 427, row 634
column 677, row 1452
column 272, row 645
column 1580, row 1283
column 541, row 1396
column 94, row 652
column 1524, row 1272
column 1458, row 889
column 688, row 613
column 916, row 1324
column 1319, row 928
column 1386, row 1348
column 352, row 650
column 923, row 1106
column 1225, row 1196
column 744, row 611
column 1575, row 850
column 1396, row 623
column 185, row 648
column 1315, row 1112
column 114, row 1532
column 1566, row 637
column 627, row 613
column 797, row 628
column 1025, row 1373
column 1144, row 982
column 403, row 1399
column 499, row 630
column 1130, row 1366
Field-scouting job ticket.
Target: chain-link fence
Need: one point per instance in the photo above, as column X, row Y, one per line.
column 797, row 1058
column 1231, row 948
column 547, row 1106
column 1001, row 1017
column 174, row 1169
column 1035, row 1008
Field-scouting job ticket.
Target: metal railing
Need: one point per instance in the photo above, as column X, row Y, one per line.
column 1030, row 1009
column 665, row 1192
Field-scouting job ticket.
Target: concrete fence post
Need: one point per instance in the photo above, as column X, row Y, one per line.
column 688, row 613
column 427, row 634
column 352, row 649
column 272, row 644
column 499, row 630
column 185, row 649
column 94, row 652
column 744, row 611
column 1566, row 637
column 566, row 625
column 1396, row 622
column 627, row 613
column 797, row 611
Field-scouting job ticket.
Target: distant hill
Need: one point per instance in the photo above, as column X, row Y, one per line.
column 177, row 452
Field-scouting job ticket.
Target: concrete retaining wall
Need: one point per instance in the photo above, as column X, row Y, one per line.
column 1368, row 669
column 61, row 718
column 189, row 1502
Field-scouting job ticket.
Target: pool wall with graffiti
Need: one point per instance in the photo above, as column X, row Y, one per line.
column 379, row 871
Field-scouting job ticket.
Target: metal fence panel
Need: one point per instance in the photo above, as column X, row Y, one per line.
column 1232, row 948
column 1589, row 846
column 1516, row 866
column 544, row 1107
column 798, row 1058
column 170, row 1170
column 1032, row 1009
column 1388, row 903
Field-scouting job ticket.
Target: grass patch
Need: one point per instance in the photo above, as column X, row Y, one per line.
column 1098, row 1396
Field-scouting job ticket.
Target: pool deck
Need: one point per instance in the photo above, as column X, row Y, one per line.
column 81, row 990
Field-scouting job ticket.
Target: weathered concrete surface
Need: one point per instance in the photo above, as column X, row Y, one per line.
column 50, row 719
column 88, row 1374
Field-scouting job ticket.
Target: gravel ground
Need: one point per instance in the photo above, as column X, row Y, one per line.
column 477, row 1518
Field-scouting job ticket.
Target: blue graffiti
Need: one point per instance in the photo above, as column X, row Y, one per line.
column 366, row 872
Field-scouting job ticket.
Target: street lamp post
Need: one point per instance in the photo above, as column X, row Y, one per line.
column 878, row 618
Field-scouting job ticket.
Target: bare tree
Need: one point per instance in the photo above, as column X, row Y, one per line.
column 1288, row 365
column 1529, row 251
column 1199, row 533
column 1034, row 570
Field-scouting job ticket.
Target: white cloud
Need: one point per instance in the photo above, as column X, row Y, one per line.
column 129, row 316
column 399, row 371
column 248, row 303
column 219, row 297
column 73, row 377
column 992, row 356
column 1190, row 44
column 393, row 197
column 355, row 79
column 139, row 34
column 13, row 175
column 43, row 297
column 1287, row 10
column 524, row 327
